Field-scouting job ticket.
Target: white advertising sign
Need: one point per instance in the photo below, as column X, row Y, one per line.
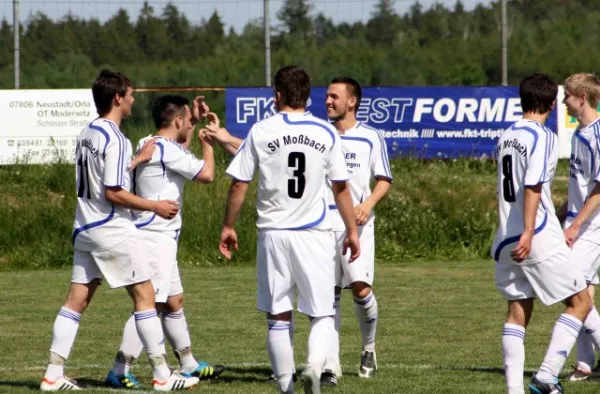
column 40, row 126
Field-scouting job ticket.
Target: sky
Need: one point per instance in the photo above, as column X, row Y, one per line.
column 235, row 13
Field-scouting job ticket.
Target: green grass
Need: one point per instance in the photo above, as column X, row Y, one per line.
column 438, row 332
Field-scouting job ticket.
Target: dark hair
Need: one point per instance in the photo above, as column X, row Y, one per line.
column 353, row 88
column 166, row 108
column 293, row 85
column 106, row 86
column 538, row 93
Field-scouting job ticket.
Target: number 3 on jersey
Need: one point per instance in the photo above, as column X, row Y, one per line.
column 508, row 186
column 296, row 185
column 83, row 177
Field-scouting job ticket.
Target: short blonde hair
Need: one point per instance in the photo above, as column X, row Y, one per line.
column 584, row 83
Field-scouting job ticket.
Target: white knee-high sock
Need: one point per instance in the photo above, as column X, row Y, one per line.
column 366, row 313
column 564, row 335
column 151, row 333
column 586, row 358
column 130, row 349
column 176, row 331
column 513, row 354
column 64, row 333
column 281, row 354
column 319, row 342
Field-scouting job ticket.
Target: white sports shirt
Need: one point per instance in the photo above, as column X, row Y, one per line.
column 163, row 178
column 584, row 172
column 294, row 153
column 366, row 156
column 102, row 156
column 527, row 154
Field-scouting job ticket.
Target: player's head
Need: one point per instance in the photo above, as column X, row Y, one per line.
column 292, row 87
column 172, row 111
column 538, row 93
column 343, row 96
column 112, row 91
column 582, row 91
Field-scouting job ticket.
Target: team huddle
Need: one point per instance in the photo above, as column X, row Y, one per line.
column 534, row 256
column 315, row 227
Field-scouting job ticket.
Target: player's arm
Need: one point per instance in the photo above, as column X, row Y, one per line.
column 165, row 209
column 363, row 210
column 199, row 111
column 533, row 195
column 214, row 130
column 235, row 199
column 591, row 205
column 207, row 174
column 343, row 201
column 144, row 155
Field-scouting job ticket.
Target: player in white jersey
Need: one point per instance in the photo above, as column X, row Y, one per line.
column 366, row 157
column 294, row 154
column 531, row 256
column 106, row 240
column 164, row 177
column 581, row 216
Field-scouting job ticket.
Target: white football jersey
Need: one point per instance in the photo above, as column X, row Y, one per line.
column 163, row 178
column 527, row 155
column 366, row 157
column 584, row 172
column 294, row 153
column 102, row 156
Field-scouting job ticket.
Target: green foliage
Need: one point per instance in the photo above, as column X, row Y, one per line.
column 434, row 46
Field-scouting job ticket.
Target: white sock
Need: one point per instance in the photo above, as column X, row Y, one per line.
column 151, row 334
column 585, row 351
column 591, row 326
column 292, row 334
column 63, row 336
column 176, row 331
column 563, row 339
column 130, row 349
column 281, row 354
column 333, row 360
column 513, row 354
column 319, row 342
column 366, row 313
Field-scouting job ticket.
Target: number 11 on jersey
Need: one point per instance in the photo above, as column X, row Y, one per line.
column 83, row 178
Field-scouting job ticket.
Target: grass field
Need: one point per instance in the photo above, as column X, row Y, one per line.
column 439, row 331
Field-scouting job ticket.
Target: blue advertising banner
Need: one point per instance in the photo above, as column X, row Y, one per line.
column 425, row 122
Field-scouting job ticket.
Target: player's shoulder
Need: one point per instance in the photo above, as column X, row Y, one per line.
column 369, row 131
column 170, row 146
column 107, row 129
column 143, row 140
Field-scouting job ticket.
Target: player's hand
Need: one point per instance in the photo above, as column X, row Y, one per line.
column 520, row 253
column 199, row 108
column 571, row 234
column 228, row 240
column 205, row 137
column 213, row 120
column 145, row 154
column 351, row 242
column 166, row 209
column 362, row 212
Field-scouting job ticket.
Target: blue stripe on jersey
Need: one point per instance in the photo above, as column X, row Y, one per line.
column 147, row 222
column 162, row 157
column 100, row 129
column 571, row 214
column 384, row 153
column 312, row 224
column 585, row 142
column 516, row 238
column 597, row 135
column 287, row 120
column 546, row 155
column 333, row 207
column 93, row 224
column 120, row 138
column 535, row 136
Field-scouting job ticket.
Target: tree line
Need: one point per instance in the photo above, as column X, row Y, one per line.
column 435, row 46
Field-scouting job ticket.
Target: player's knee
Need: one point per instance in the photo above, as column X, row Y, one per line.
column 174, row 303
column 360, row 289
column 284, row 316
column 143, row 295
column 580, row 301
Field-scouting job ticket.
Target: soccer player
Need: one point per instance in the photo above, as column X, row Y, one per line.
column 531, row 256
column 366, row 156
column 164, row 177
column 106, row 241
column 294, row 154
column 582, row 233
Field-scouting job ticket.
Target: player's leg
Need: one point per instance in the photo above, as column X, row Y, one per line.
column 555, row 280
column 84, row 282
column 129, row 351
column 275, row 296
column 585, row 350
column 177, row 333
column 312, row 257
column 516, row 289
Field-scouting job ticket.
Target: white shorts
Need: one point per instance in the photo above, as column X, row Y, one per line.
column 586, row 255
column 164, row 272
column 363, row 268
column 290, row 259
column 552, row 280
column 123, row 265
